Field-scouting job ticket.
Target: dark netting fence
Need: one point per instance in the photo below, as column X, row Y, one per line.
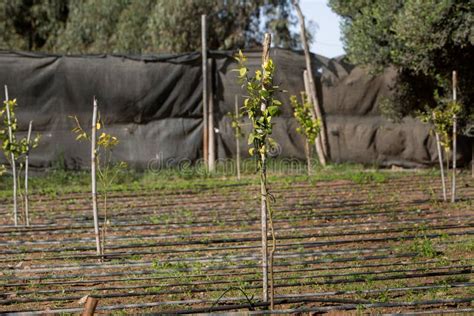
column 153, row 104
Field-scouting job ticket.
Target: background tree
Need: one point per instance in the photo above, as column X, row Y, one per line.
column 424, row 40
column 142, row 26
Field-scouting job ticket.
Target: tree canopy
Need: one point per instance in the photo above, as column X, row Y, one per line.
column 142, row 26
column 425, row 40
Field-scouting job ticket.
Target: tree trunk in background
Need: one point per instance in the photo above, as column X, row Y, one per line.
column 312, row 86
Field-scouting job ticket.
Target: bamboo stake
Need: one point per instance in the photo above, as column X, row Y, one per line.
column 212, row 145
column 453, row 189
column 204, row 89
column 237, row 137
column 263, row 187
column 318, row 145
column 12, row 162
column 312, row 86
column 28, row 139
column 441, row 165
column 93, row 177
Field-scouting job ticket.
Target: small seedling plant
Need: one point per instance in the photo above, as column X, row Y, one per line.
column 16, row 151
column 107, row 170
column 261, row 107
column 309, row 126
column 236, row 124
column 441, row 119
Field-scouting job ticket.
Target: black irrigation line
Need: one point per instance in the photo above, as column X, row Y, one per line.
column 346, row 305
column 241, row 240
column 457, row 311
column 245, row 232
column 215, row 259
column 360, row 275
column 319, row 226
column 193, row 289
column 139, row 209
column 234, row 299
column 290, row 255
column 195, row 223
column 409, row 255
column 310, row 244
column 214, row 289
column 199, row 201
column 68, row 209
column 321, row 185
column 240, row 268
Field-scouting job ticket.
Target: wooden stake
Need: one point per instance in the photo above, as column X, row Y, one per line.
column 318, row 142
column 212, row 145
column 28, row 139
column 204, row 88
column 93, row 177
column 455, row 123
column 12, row 162
column 237, row 138
column 263, row 186
column 90, row 306
column 312, row 86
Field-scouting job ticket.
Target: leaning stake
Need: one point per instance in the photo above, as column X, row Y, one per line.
column 313, row 95
column 28, row 139
column 93, row 177
column 441, row 165
column 12, row 162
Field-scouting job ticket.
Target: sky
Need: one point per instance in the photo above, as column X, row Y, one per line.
column 327, row 33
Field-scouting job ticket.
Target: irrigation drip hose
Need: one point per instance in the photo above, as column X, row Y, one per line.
column 228, row 233
column 354, row 306
column 44, row 282
column 210, row 282
column 240, row 240
column 321, row 187
column 213, row 289
column 233, row 299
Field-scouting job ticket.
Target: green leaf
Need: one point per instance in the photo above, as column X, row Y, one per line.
column 273, row 110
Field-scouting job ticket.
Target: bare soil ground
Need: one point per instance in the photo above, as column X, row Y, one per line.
column 375, row 247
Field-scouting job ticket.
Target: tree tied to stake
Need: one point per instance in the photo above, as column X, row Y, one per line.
column 309, row 126
column 107, row 170
column 15, row 149
column 261, row 107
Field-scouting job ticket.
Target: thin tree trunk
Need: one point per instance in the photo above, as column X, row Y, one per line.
column 263, row 186
column 104, row 224
column 317, row 143
column 308, row 156
column 204, row 89
column 455, row 123
column 441, row 166
column 237, row 137
column 313, row 95
column 93, row 177
column 27, row 158
column 12, row 161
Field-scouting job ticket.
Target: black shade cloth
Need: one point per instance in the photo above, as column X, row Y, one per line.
column 153, row 104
